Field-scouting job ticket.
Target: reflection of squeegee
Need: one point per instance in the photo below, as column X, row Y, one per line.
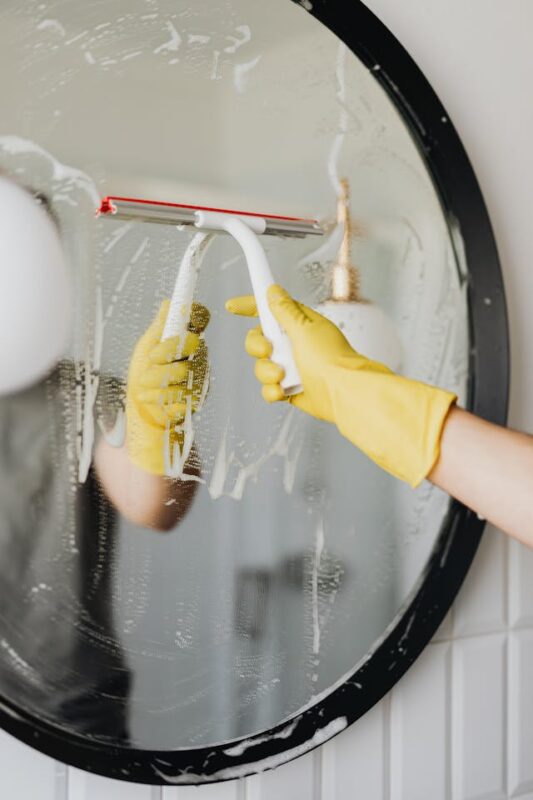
column 245, row 227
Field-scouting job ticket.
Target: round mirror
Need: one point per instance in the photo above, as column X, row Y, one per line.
column 225, row 616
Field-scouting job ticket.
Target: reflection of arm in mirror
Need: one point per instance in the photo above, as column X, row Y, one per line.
column 148, row 500
column 165, row 380
column 410, row 429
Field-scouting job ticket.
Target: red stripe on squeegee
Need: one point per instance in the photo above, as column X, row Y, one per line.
column 106, row 207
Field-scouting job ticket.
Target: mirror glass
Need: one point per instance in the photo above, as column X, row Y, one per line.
column 159, row 612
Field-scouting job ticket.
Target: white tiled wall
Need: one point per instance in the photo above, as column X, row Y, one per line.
column 459, row 726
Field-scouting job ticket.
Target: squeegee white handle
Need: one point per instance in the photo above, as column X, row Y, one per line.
column 245, row 231
column 179, row 312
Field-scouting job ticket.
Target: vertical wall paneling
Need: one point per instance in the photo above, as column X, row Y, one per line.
column 325, row 772
column 479, row 718
column 85, row 786
column 521, row 585
column 61, row 781
column 291, row 781
column 481, row 604
column 445, row 631
column 521, row 712
column 251, row 789
column 23, row 772
column 229, row 790
column 419, row 725
column 357, row 757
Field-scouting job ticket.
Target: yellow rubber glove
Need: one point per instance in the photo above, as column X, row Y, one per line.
column 158, row 387
column 397, row 422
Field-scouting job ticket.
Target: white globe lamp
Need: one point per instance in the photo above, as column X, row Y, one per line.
column 35, row 290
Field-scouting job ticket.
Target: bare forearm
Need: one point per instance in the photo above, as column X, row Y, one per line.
column 489, row 469
column 152, row 501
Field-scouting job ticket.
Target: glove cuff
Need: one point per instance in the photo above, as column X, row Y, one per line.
column 396, row 421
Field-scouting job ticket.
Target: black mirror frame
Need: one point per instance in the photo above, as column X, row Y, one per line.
column 464, row 208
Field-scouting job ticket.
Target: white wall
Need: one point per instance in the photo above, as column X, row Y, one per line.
column 460, row 724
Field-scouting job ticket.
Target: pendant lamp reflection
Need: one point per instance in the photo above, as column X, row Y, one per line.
column 35, row 292
column 365, row 325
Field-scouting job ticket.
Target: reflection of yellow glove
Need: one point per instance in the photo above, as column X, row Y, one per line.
column 158, row 387
column 397, row 422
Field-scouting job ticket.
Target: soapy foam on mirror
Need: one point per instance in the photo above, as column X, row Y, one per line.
column 333, row 161
column 290, row 464
column 230, row 261
column 176, row 458
column 173, row 44
column 241, row 72
column 51, row 25
column 129, row 56
column 215, row 74
column 221, row 467
column 283, row 446
column 238, row 42
column 123, row 279
column 117, row 235
column 198, row 38
column 319, row 547
column 16, row 145
column 76, row 38
column 104, row 36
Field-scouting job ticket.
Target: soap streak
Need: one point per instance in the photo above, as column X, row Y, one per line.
column 333, row 161
column 319, row 547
